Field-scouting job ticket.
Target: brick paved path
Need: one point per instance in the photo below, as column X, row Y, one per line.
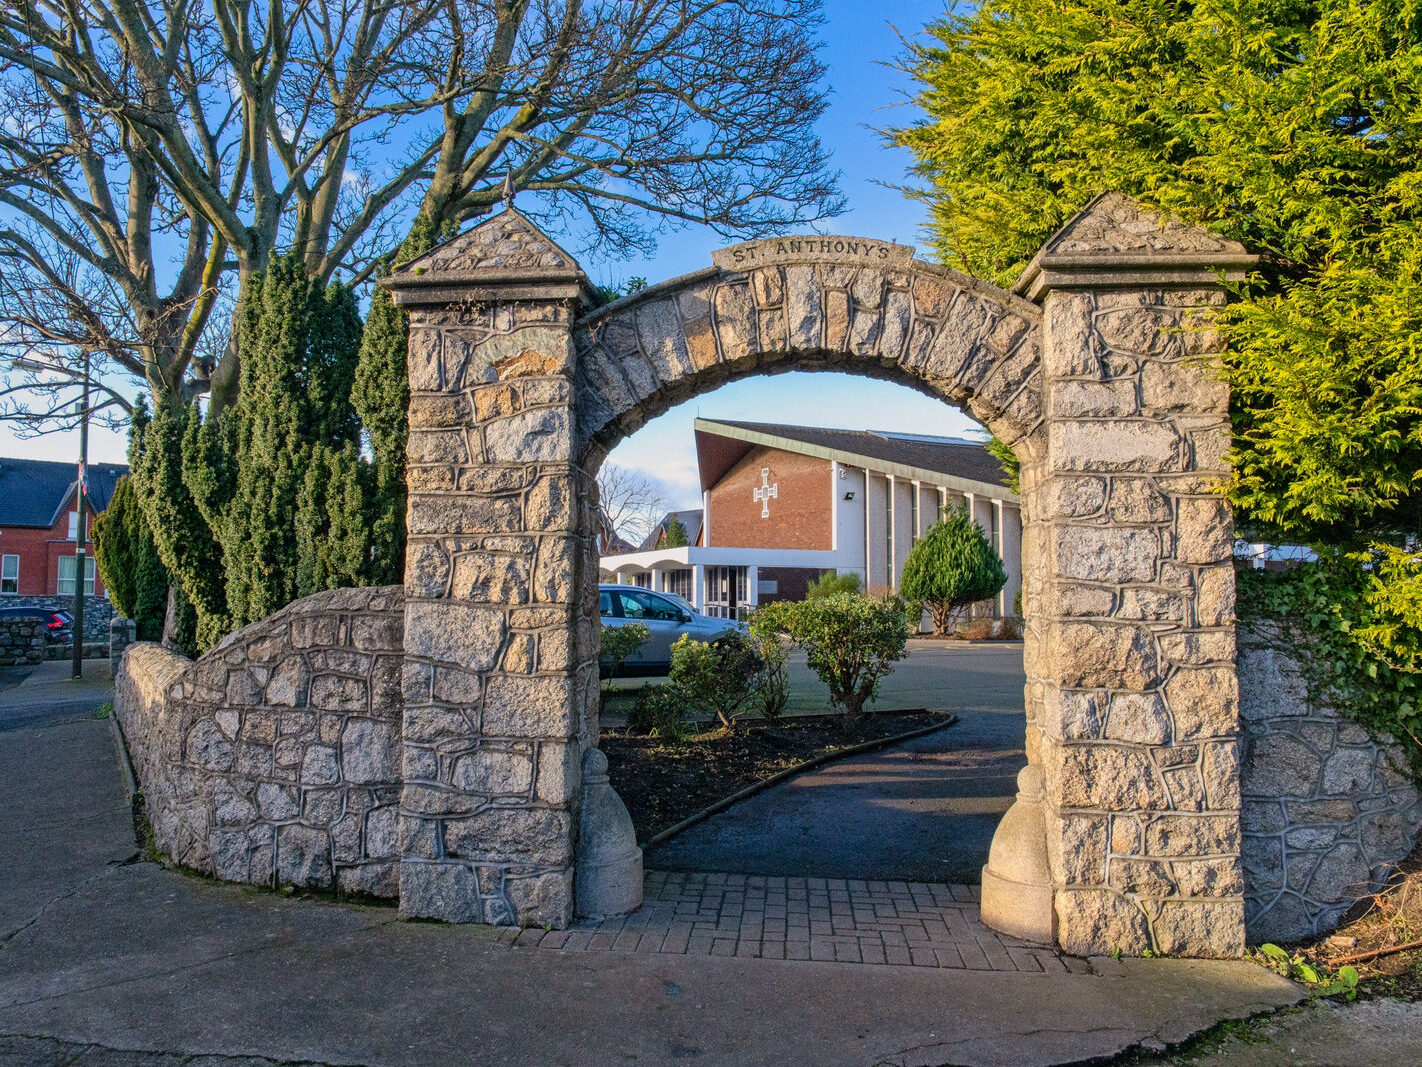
column 908, row 923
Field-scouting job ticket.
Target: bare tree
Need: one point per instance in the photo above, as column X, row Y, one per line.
column 159, row 149
column 631, row 502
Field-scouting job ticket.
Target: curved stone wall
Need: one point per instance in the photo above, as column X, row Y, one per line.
column 1326, row 811
column 275, row 757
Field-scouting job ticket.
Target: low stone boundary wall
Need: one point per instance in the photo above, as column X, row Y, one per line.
column 1327, row 811
column 98, row 610
column 275, row 757
column 22, row 641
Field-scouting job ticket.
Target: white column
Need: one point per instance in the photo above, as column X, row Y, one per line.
column 891, row 488
column 877, row 534
column 659, row 579
column 752, row 586
column 1011, row 556
column 698, row 587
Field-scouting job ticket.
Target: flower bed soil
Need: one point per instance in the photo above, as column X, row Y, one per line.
column 663, row 782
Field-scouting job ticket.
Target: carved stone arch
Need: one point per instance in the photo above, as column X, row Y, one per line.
column 1096, row 370
column 935, row 330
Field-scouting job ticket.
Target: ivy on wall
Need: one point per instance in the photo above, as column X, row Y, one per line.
column 1324, row 609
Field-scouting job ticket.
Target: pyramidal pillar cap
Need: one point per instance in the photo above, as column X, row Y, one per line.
column 1114, row 241
column 505, row 257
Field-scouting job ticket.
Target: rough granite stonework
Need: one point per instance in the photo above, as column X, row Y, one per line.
column 500, row 680
column 1132, row 704
column 430, row 742
column 122, row 633
column 22, row 641
column 275, row 757
column 1327, row 811
column 1100, row 379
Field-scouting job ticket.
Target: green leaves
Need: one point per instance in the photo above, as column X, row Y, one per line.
column 1295, row 128
column 951, row 567
column 850, row 640
column 1325, row 984
column 1358, row 651
column 721, row 675
column 128, row 560
column 616, row 643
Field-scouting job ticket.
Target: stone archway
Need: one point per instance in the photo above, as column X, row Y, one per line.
column 1097, row 372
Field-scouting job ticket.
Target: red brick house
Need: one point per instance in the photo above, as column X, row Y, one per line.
column 38, row 526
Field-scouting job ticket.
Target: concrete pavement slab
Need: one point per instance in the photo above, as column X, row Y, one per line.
column 1322, row 1033
column 109, row 961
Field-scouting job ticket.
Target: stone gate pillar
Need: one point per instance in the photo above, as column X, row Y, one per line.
column 1131, row 588
column 498, row 700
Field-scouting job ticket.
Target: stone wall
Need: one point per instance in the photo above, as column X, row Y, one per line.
column 1326, row 812
column 97, row 612
column 289, row 753
column 22, row 642
column 92, row 650
column 274, row 758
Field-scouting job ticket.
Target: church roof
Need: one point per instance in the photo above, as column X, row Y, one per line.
column 907, row 455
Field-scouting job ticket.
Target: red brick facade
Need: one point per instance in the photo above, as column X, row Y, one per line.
column 40, row 551
column 801, row 512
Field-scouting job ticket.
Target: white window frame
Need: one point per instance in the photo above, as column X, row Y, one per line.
column 7, row 563
column 90, row 573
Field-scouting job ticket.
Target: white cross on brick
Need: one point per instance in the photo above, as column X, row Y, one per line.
column 765, row 492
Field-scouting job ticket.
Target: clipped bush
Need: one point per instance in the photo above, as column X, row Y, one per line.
column 832, row 583
column 659, row 711
column 851, row 641
column 617, row 643
column 128, row 561
column 950, row 568
column 720, row 675
column 767, row 629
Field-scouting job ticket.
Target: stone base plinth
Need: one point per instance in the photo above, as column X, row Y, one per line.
column 1018, row 909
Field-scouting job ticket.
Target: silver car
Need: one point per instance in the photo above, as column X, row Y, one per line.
column 667, row 617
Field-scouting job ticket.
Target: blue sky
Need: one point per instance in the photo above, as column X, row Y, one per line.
column 859, row 39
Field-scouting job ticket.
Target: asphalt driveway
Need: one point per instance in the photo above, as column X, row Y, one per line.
column 921, row 811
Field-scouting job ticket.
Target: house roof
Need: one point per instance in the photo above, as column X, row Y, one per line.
column 952, row 460
column 690, row 518
column 33, row 492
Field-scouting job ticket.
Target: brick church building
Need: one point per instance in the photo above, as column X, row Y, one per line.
column 783, row 504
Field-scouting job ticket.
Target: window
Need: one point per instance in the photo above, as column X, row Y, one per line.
column 9, row 574
column 640, row 605
column 913, row 514
column 66, row 576
column 680, row 582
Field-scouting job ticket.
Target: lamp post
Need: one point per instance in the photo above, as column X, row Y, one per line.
column 81, row 534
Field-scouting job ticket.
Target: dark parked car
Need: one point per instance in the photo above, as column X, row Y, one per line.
column 59, row 625
column 665, row 616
